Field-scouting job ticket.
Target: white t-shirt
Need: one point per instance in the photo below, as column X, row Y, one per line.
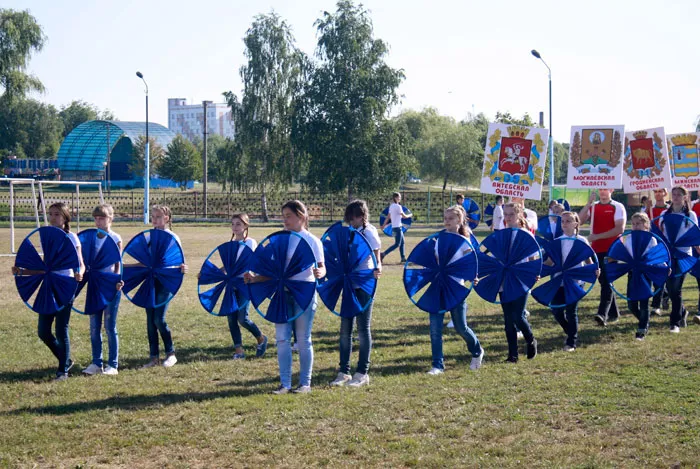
column 76, row 242
column 375, row 243
column 395, row 212
column 316, row 247
column 99, row 242
column 498, row 218
column 531, row 217
column 683, row 229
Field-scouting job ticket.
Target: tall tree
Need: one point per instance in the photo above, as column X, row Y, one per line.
column 20, row 36
column 136, row 167
column 181, row 162
column 29, row 128
column 262, row 116
column 345, row 105
column 78, row 112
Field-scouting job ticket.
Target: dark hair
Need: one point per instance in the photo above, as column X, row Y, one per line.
column 167, row 212
column 643, row 199
column 499, row 198
column 686, row 208
column 357, row 209
column 395, row 195
column 459, row 196
column 103, row 210
column 65, row 213
column 246, row 221
column 299, row 209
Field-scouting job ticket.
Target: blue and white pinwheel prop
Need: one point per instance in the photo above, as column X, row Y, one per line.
column 282, row 278
column 509, row 262
column 405, row 222
column 546, row 230
column 437, row 280
column 681, row 235
column 100, row 256
column 152, row 258
column 220, row 287
column 350, row 265
column 55, row 286
column 473, row 212
column 646, row 262
column 488, row 215
column 574, row 271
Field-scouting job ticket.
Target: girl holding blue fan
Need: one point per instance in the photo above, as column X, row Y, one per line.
column 455, row 222
column 296, row 219
column 59, row 217
column 239, row 229
column 103, row 215
column 357, row 216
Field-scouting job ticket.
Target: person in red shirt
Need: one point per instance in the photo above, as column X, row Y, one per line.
column 607, row 218
column 660, row 205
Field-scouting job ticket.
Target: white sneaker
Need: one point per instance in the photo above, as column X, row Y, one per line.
column 155, row 361
column 92, row 369
column 527, row 313
column 657, row 312
column 476, row 361
column 170, row 360
column 569, row 348
column 281, row 390
column 341, row 380
column 520, row 335
column 302, row 390
column 111, row 371
column 675, row 330
column 696, row 319
column 358, row 380
column 451, row 324
column 435, row 371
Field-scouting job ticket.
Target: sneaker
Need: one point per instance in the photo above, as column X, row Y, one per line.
column 238, row 356
column 155, row 361
column 696, row 319
column 532, row 349
column 359, row 380
column 527, row 313
column 639, row 336
column 61, row 377
column 262, row 348
column 657, row 312
column 93, row 369
column 110, row 371
column 684, row 318
column 674, row 329
column 520, row 335
column 170, row 360
column 451, row 324
column 476, row 361
column 281, row 390
column 341, row 380
column 435, row 371
column 600, row 320
column 302, row 390
column 511, row 360
column 295, row 348
column 569, row 348
column 614, row 321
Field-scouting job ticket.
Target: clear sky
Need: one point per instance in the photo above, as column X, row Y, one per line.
column 614, row 62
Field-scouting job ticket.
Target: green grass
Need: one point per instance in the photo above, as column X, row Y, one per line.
column 613, row 403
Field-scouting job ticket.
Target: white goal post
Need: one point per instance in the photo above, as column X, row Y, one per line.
column 20, row 181
column 77, row 185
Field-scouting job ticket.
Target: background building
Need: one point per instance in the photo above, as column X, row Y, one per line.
column 188, row 119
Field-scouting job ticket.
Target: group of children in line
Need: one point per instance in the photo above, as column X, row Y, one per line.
column 607, row 217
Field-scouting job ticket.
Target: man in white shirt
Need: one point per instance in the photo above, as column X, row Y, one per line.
column 497, row 222
column 395, row 216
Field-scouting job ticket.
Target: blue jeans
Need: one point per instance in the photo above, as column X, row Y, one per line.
column 514, row 316
column 567, row 317
column 674, row 285
column 398, row 243
column 364, row 334
column 59, row 345
column 110, row 322
column 155, row 322
column 459, row 317
column 241, row 317
column 283, row 335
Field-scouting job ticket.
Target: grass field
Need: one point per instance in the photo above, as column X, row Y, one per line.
column 614, row 402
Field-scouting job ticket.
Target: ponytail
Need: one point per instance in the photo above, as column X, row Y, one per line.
column 245, row 220
column 166, row 212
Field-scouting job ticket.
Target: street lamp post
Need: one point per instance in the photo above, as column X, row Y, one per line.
column 147, row 163
column 551, row 140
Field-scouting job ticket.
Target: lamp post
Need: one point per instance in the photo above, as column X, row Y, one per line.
column 551, row 140
column 147, row 163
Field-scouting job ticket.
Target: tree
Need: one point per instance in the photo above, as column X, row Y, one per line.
column 136, row 168
column 263, row 115
column 506, row 118
column 30, row 128
column 342, row 115
column 20, row 36
column 182, row 162
column 78, row 112
column 214, row 143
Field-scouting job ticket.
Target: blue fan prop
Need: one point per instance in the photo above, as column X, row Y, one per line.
column 473, row 212
column 565, row 203
column 648, row 266
column 221, row 279
column 350, row 264
column 681, row 235
column 51, row 290
column 405, row 222
column 438, row 281
column 100, row 256
column 270, row 262
column 695, row 271
column 152, row 256
column 488, row 215
column 573, row 273
column 544, row 227
column 509, row 260
column 473, row 240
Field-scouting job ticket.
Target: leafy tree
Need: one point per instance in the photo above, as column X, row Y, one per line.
column 341, row 120
column 30, row 128
column 78, row 112
column 182, row 162
column 262, row 116
column 20, row 36
column 136, row 168
column 214, row 142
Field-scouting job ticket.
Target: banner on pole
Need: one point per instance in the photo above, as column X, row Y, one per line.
column 646, row 161
column 514, row 161
column 684, row 150
column 595, row 157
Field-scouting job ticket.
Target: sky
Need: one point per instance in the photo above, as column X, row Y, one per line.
column 613, row 61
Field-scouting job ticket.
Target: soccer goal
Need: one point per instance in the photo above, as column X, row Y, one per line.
column 33, row 201
column 77, row 185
